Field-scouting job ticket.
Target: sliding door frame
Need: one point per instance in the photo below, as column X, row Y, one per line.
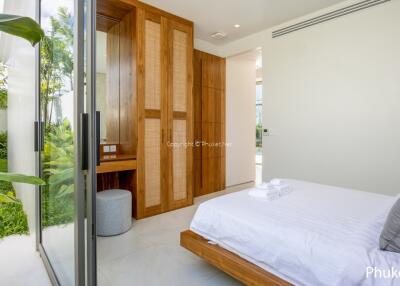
column 84, row 231
column 93, row 147
column 38, row 153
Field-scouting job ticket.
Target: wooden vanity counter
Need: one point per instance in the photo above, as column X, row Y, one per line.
column 116, row 163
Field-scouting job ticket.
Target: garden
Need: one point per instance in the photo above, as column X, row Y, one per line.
column 56, row 76
column 13, row 220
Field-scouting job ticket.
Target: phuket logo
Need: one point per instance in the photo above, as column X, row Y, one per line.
column 382, row 273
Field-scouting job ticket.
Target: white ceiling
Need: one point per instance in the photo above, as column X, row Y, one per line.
column 211, row 16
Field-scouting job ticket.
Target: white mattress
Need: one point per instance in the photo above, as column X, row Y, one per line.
column 316, row 235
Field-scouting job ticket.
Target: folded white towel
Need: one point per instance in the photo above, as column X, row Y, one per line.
column 270, row 186
column 272, row 190
column 264, row 194
column 263, row 186
column 281, row 187
column 267, row 187
column 276, row 182
column 273, row 182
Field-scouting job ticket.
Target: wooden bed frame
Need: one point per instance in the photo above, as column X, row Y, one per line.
column 232, row 264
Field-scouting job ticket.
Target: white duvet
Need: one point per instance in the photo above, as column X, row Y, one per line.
column 316, row 235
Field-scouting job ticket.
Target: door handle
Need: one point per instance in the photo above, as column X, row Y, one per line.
column 36, row 130
column 84, row 141
column 98, row 138
column 42, row 132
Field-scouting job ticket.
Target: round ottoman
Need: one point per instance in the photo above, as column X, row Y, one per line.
column 113, row 212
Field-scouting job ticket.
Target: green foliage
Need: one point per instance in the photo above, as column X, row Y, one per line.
column 13, row 220
column 6, row 187
column 6, row 190
column 3, row 147
column 3, row 99
column 58, row 158
column 7, row 198
column 56, row 73
column 23, row 27
column 259, row 131
column 3, row 166
column 56, row 57
column 3, row 86
column 20, row 178
column 12, row 177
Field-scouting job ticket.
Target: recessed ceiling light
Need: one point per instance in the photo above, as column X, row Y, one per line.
column 236, row 26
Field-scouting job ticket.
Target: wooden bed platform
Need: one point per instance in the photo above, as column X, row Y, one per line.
column 232, row 264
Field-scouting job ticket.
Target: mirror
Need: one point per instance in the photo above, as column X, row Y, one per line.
column 116, row 82
column 107, row 83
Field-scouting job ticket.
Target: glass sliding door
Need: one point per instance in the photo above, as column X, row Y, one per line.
column 66, row 129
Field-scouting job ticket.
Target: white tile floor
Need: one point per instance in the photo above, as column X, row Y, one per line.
column 20, row 264
column 149, row 254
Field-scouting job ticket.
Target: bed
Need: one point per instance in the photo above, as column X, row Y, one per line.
column 316, row 235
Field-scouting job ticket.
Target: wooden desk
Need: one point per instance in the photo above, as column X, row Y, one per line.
column 116, row 163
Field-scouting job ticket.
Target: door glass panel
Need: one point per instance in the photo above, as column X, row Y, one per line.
column 57, row 158
column 108, row 84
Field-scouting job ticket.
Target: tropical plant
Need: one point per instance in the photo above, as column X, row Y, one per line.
column 28, row 29
column 56, row 68
column 58, row 158
column 13, row 220
column 3, row 147
column 56, row 73
column 22, row 27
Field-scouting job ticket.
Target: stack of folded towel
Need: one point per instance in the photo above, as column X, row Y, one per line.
column 273, row 190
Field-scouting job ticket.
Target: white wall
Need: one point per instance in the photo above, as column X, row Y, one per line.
column 240, row 119
column 21, row 107
column 332, row 100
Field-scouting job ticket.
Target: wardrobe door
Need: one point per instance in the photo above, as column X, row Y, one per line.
column 180, row 115
column 209, row 114
column 151, row 158
column 213, row 123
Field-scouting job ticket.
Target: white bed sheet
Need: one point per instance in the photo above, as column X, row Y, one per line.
column 316, row 235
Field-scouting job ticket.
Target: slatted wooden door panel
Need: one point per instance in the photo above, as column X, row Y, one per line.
column 209, row 114
column 151, row 185
column 180, row 117
column 214, row 114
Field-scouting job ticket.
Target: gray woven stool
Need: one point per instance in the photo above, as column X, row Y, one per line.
column 113, row 212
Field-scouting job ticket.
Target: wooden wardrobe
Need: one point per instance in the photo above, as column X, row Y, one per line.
column 161, row 58
column 165, row 113
column 209, row 123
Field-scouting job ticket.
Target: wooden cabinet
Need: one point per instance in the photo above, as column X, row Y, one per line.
column 165, row 125
column 156, row 72
column 209, row 123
